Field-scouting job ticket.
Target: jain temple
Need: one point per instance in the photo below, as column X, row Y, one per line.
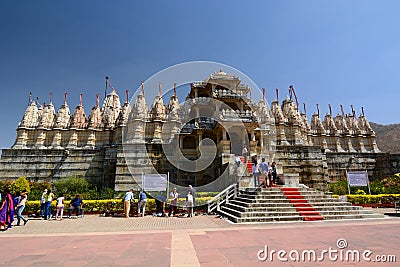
column 195, row 139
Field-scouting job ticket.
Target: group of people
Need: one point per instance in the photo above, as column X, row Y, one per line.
column 266, row 170
column 129, row 198
column 160, row 202
column 48, row 197
column 8, row 206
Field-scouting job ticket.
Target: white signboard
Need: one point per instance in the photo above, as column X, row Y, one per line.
column 155, row 182
column 359, row 178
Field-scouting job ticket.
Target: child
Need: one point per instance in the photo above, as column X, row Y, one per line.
column 60, row 206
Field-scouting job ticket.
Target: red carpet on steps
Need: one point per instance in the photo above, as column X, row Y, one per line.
column 301, row 204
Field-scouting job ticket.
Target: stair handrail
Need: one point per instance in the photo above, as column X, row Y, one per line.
column 222, row 197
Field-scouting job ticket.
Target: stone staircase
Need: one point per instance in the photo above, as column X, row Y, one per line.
column 288, row 204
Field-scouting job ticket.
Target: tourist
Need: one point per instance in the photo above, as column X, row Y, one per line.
column 238, row 161
column 273, row 172
column 20, row 208
column 49, row 196
column 193, row 192
column 189, row 204
column 174, row 202
column 43, row 203
column 60, row 206
column 256, row 171
column 75, row 204
column 269, row 175
column 3, row 214
column 160, row 204
column 245, row 153
column 127, row 202
column 142, row 203
column 10, row 208
column 264, row 171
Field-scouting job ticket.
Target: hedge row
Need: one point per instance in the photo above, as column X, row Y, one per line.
column 372, row 199
column 100, row 206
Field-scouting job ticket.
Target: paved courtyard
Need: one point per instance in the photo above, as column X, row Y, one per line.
column 199, row 241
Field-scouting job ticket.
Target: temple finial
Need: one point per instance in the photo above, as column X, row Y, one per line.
column 330, row 109
column 65, row 98
column 362, row 111
column 80, row 99
column 318, row 110
column 127, row 96
column 160, row 89
column 341, row 108
column 353, row 112
column 304, row 107
column 51, row 97
column 174, row 89
column 142, row 88
column 30, row 97
column 277, row 94
column 97, row 100
column 263, row 94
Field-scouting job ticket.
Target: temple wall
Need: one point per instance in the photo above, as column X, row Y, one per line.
column 97, row 166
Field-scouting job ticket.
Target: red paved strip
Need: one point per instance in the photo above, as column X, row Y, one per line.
column 90, row 250
column 240, row 247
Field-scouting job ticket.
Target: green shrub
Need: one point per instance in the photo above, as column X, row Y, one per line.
column 72, row 186
column 339, row 187
column 20, row 185
column 387, row 185
column 373, row 199
column 5, row 185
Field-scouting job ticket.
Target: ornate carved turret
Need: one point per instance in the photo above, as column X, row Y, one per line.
column 63, row 116
column 31, row 116
column 78, row 120
column 111, row 109
column 95, row 119
column 124, row 113
column 48, row 116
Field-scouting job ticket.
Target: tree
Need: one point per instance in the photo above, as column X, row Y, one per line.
column 20, row 185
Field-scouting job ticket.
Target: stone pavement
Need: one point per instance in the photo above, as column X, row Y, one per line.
column 198, row 241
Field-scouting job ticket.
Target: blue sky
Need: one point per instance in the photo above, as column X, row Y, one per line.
column 333, row 52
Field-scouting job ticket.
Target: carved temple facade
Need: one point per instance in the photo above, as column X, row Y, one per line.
column 117, row 142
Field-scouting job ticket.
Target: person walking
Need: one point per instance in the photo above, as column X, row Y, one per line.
column 127, row 202
column 256, row 172
column 189, row 204
column 245, row 154
column 10, row 208
column 273, row 173
column 60, row 206
column 142, row 203
column 264, row 171
column 43, row 203
column 20, row 208
column 49, row 198
column 174, row 202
